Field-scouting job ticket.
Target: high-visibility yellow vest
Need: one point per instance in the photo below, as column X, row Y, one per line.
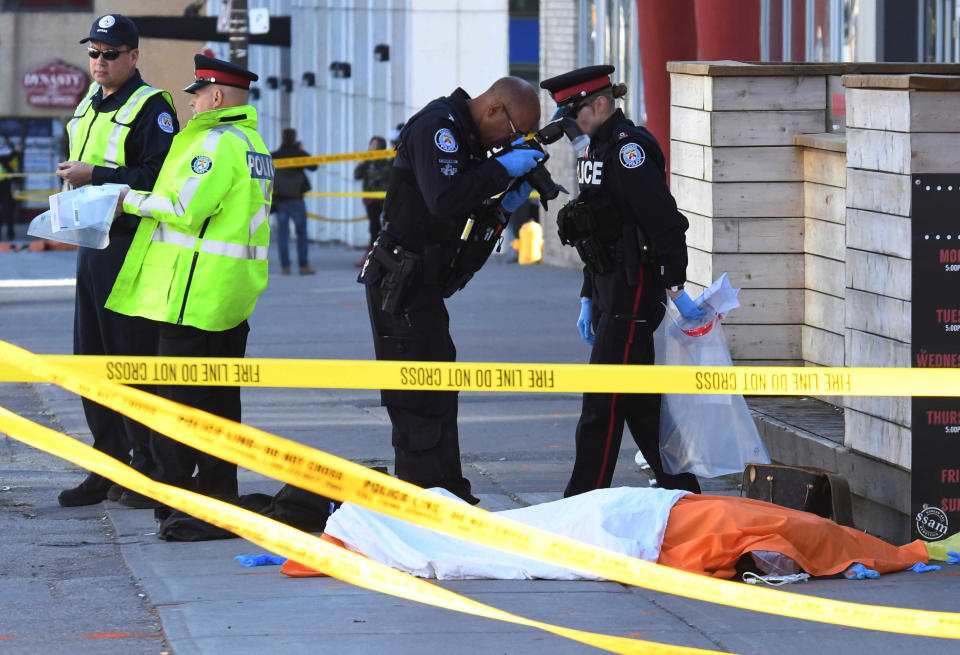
column 98, row 137
column 199, row 256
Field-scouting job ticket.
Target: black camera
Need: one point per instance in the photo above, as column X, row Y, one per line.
column 538, row 177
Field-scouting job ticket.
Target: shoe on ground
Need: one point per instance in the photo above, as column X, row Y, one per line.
column 284, row 271
column 89, row 492
column 307, row 270
column 114, row 492
column 132, row 499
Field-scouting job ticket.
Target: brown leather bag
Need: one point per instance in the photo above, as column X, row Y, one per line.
column 805, row 488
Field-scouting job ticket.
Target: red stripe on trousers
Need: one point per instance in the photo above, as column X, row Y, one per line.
column 613, row 397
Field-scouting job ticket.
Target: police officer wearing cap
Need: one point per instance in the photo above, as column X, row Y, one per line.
column 626, row 228
column 199, row 258
column 441, row 174
column 120, row 133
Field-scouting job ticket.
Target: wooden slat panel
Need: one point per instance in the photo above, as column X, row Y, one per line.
column 771, row 93
column 889, row 408
column 880, row 274
column 883, row 233
column 878, row 109
column 759, row 199
column 822, row 347
column 878, row 438
column 687, row 159
column 763, row 128
column 865, row 349
column 687, row 90
column 876, row 314
column 824, row 167
column 691, row 125
column 934, row 111
column 765, row 306
column 823, row 311
column 763, row 341
column 887, row 193
column 878, row 150
column 824, row 275
column 827, row 203
column 824, row 238
column 753, row 164
column 935, row 153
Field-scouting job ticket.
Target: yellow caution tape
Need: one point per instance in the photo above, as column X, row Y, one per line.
column 300, row 546
column 297, row 162
column 346, row 194
column 481, row 376
column 327, row 219
column 340, row 479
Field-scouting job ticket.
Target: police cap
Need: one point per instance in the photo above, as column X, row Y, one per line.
column 116, row 30
column 216, row 71
column 570, row 87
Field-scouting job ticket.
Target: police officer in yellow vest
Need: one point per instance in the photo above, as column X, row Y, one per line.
column 199, row 259
column 120, row 133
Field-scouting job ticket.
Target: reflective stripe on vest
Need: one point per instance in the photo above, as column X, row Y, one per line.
column 164, row 234
column 107, row 148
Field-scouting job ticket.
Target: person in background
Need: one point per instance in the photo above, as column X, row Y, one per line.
column 375, row 174
column 291, row 184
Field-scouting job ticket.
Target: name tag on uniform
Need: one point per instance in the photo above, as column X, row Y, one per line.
column 260, row 165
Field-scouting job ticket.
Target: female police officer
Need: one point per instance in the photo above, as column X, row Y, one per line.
column 626, row 228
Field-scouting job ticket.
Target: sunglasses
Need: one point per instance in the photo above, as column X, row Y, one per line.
column 109, row 55
column 516, row 132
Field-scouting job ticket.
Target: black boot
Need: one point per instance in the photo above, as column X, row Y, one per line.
column 89, row 492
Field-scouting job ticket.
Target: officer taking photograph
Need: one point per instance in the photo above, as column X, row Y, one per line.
column 439, row 226
column 630, row 236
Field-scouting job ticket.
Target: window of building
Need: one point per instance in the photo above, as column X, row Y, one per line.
column 608, row 35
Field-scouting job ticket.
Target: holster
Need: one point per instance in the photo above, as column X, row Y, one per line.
column 394, row 269
column 599, row 258
column 480, row 234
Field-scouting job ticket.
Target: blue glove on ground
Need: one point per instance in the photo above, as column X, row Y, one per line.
column 687, row 307
column 920, row 567
column 584, row 323
column 953, row 557
column 860, row 572
column 520, row 161
column 513, row 200
column 260, row 560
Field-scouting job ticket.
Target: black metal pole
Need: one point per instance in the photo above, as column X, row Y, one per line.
column 239, row 26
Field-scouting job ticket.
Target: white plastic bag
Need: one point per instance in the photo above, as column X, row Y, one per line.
column 81, row 217
column 704, row 434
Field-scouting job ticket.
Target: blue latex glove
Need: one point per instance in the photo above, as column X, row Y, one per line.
column 513, row 200
column 519, row 162
column 920, row 567
column 860, row 572
column 260, row 560
column 584, row 323
column 687, row 307
column 953, row 557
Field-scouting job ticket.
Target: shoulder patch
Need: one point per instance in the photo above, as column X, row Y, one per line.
column 201, row 164
column 260, row 165
column 445, row 141
column 165, row 121
column 632, row 155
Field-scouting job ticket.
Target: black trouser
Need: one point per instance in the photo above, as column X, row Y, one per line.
column 625, row 318
column 374, row 209
column 176, row 461
column 425, row 440
column 99, row 331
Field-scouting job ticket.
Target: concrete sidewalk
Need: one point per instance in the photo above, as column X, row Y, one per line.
column 517, row 450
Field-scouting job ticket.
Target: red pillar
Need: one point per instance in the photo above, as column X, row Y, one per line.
column 666, row 33
column 728, row 29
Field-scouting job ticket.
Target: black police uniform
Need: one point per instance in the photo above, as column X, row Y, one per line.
column 623, row 175
column 439, row 175
column 99, row 331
